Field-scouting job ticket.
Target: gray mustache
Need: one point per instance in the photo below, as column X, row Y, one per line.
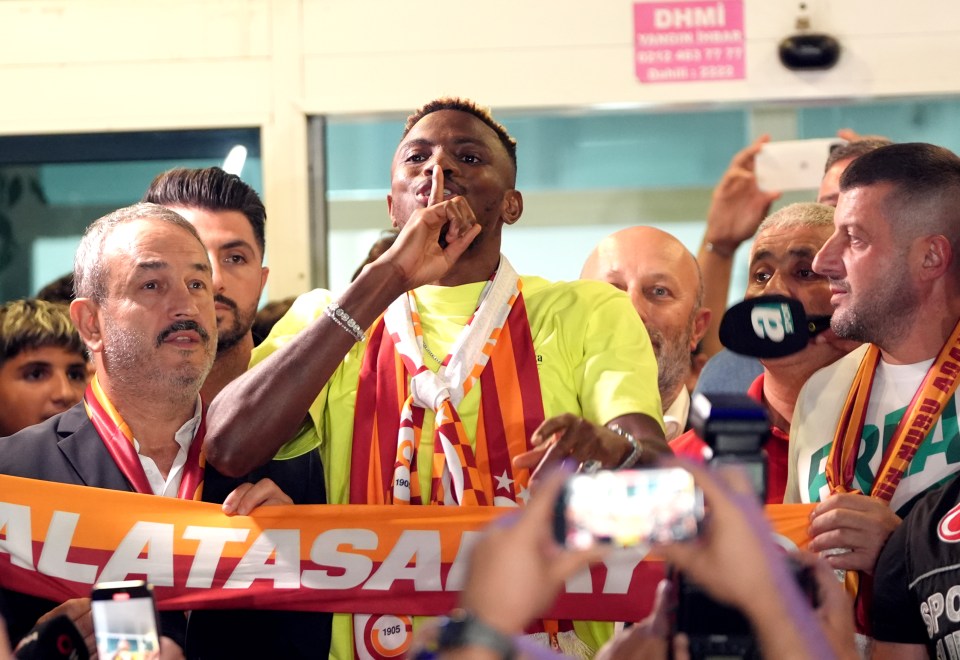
column 180, row 326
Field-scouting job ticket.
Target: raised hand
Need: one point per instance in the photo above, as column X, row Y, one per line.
column 738, row 205
column 517, row 569
column 418, row 254
column 79, row 612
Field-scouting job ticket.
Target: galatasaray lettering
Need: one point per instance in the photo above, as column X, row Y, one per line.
column 338, row 559
column 331, row 558
column 912, row 439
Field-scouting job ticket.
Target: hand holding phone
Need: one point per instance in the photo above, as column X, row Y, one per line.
column 125, row 620
column 793, row 164
column 626, row 508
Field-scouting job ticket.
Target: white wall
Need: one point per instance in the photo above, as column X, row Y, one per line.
column 513, row 53
column 101, row 65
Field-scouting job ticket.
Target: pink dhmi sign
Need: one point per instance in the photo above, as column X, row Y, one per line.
column 684, row 41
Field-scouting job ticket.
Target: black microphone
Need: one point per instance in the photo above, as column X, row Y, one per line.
column 769, row 327
column 56, row 638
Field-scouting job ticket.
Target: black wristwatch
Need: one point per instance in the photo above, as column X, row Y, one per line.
column 461, row 629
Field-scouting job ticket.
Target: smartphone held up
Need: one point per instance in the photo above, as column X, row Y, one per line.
column 125, row 620
column 628, row 508
column 793, row 164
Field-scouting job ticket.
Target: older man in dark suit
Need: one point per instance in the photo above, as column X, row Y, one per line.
column 145, row 311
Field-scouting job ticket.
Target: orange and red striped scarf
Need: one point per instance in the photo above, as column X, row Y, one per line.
column 920, row 417
column 118, row 438
column 496, row 348
column 395, row 387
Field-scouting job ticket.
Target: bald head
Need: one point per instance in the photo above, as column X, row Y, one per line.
column 645, row 253
column 664, row 283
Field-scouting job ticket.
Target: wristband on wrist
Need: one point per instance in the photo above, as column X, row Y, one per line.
column 636, row 449
column 346, row 322
column 462, row 629
column 718, row 249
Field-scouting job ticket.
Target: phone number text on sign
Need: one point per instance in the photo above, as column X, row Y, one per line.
column 689, row 41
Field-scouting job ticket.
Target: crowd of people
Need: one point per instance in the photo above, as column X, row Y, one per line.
column 442, row 377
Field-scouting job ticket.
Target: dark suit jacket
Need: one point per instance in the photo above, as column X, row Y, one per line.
column 67, row 449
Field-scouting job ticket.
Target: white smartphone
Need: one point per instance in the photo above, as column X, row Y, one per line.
column 626, row 508
column 125, row 620
column 793, row 164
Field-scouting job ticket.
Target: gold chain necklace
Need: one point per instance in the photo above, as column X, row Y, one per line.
column 430, row 353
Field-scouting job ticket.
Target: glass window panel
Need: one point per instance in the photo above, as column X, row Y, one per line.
column 583, row 176
column 931, row 120
column 53, row 186
column 587, row 174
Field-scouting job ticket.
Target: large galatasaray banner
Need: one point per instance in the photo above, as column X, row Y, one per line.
column 57, row 540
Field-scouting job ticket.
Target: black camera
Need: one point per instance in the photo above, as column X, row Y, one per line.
column 735, row 427
column 718, row 632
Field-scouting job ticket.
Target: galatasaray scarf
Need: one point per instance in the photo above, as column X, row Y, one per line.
column 496, row 348
column 395, row 388
column 118, row 439
column 921, row 415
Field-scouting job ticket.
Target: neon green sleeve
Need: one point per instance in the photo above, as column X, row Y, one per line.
column 304, row 311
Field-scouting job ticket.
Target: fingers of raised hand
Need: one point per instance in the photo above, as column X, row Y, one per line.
column 436, row 186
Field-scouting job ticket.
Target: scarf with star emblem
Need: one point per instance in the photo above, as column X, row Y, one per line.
column 396, row 388
column 495, row 348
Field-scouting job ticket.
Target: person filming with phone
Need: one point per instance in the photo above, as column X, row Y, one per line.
column 734, row 558
column 737, row 209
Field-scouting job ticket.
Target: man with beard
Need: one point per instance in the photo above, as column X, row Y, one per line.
column 663, row 281
column 879, row 427
column 230, row 218
column 443, row 399
column 737, row 209
column 781, row 263
column 145, row 311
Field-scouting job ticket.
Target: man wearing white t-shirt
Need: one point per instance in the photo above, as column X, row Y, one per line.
column 882, row 421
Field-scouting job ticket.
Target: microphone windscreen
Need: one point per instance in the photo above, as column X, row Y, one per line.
column 817, row 324
column 56, row 638
column 765, row 327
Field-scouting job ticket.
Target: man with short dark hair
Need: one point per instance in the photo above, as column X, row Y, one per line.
column 438, row 401
column 664, row 284
column 230, row 218
column 879, row 427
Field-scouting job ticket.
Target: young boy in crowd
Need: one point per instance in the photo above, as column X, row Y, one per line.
column 43, row 367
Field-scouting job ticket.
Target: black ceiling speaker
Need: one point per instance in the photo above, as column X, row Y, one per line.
column 806, row 50
column 809, row 52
